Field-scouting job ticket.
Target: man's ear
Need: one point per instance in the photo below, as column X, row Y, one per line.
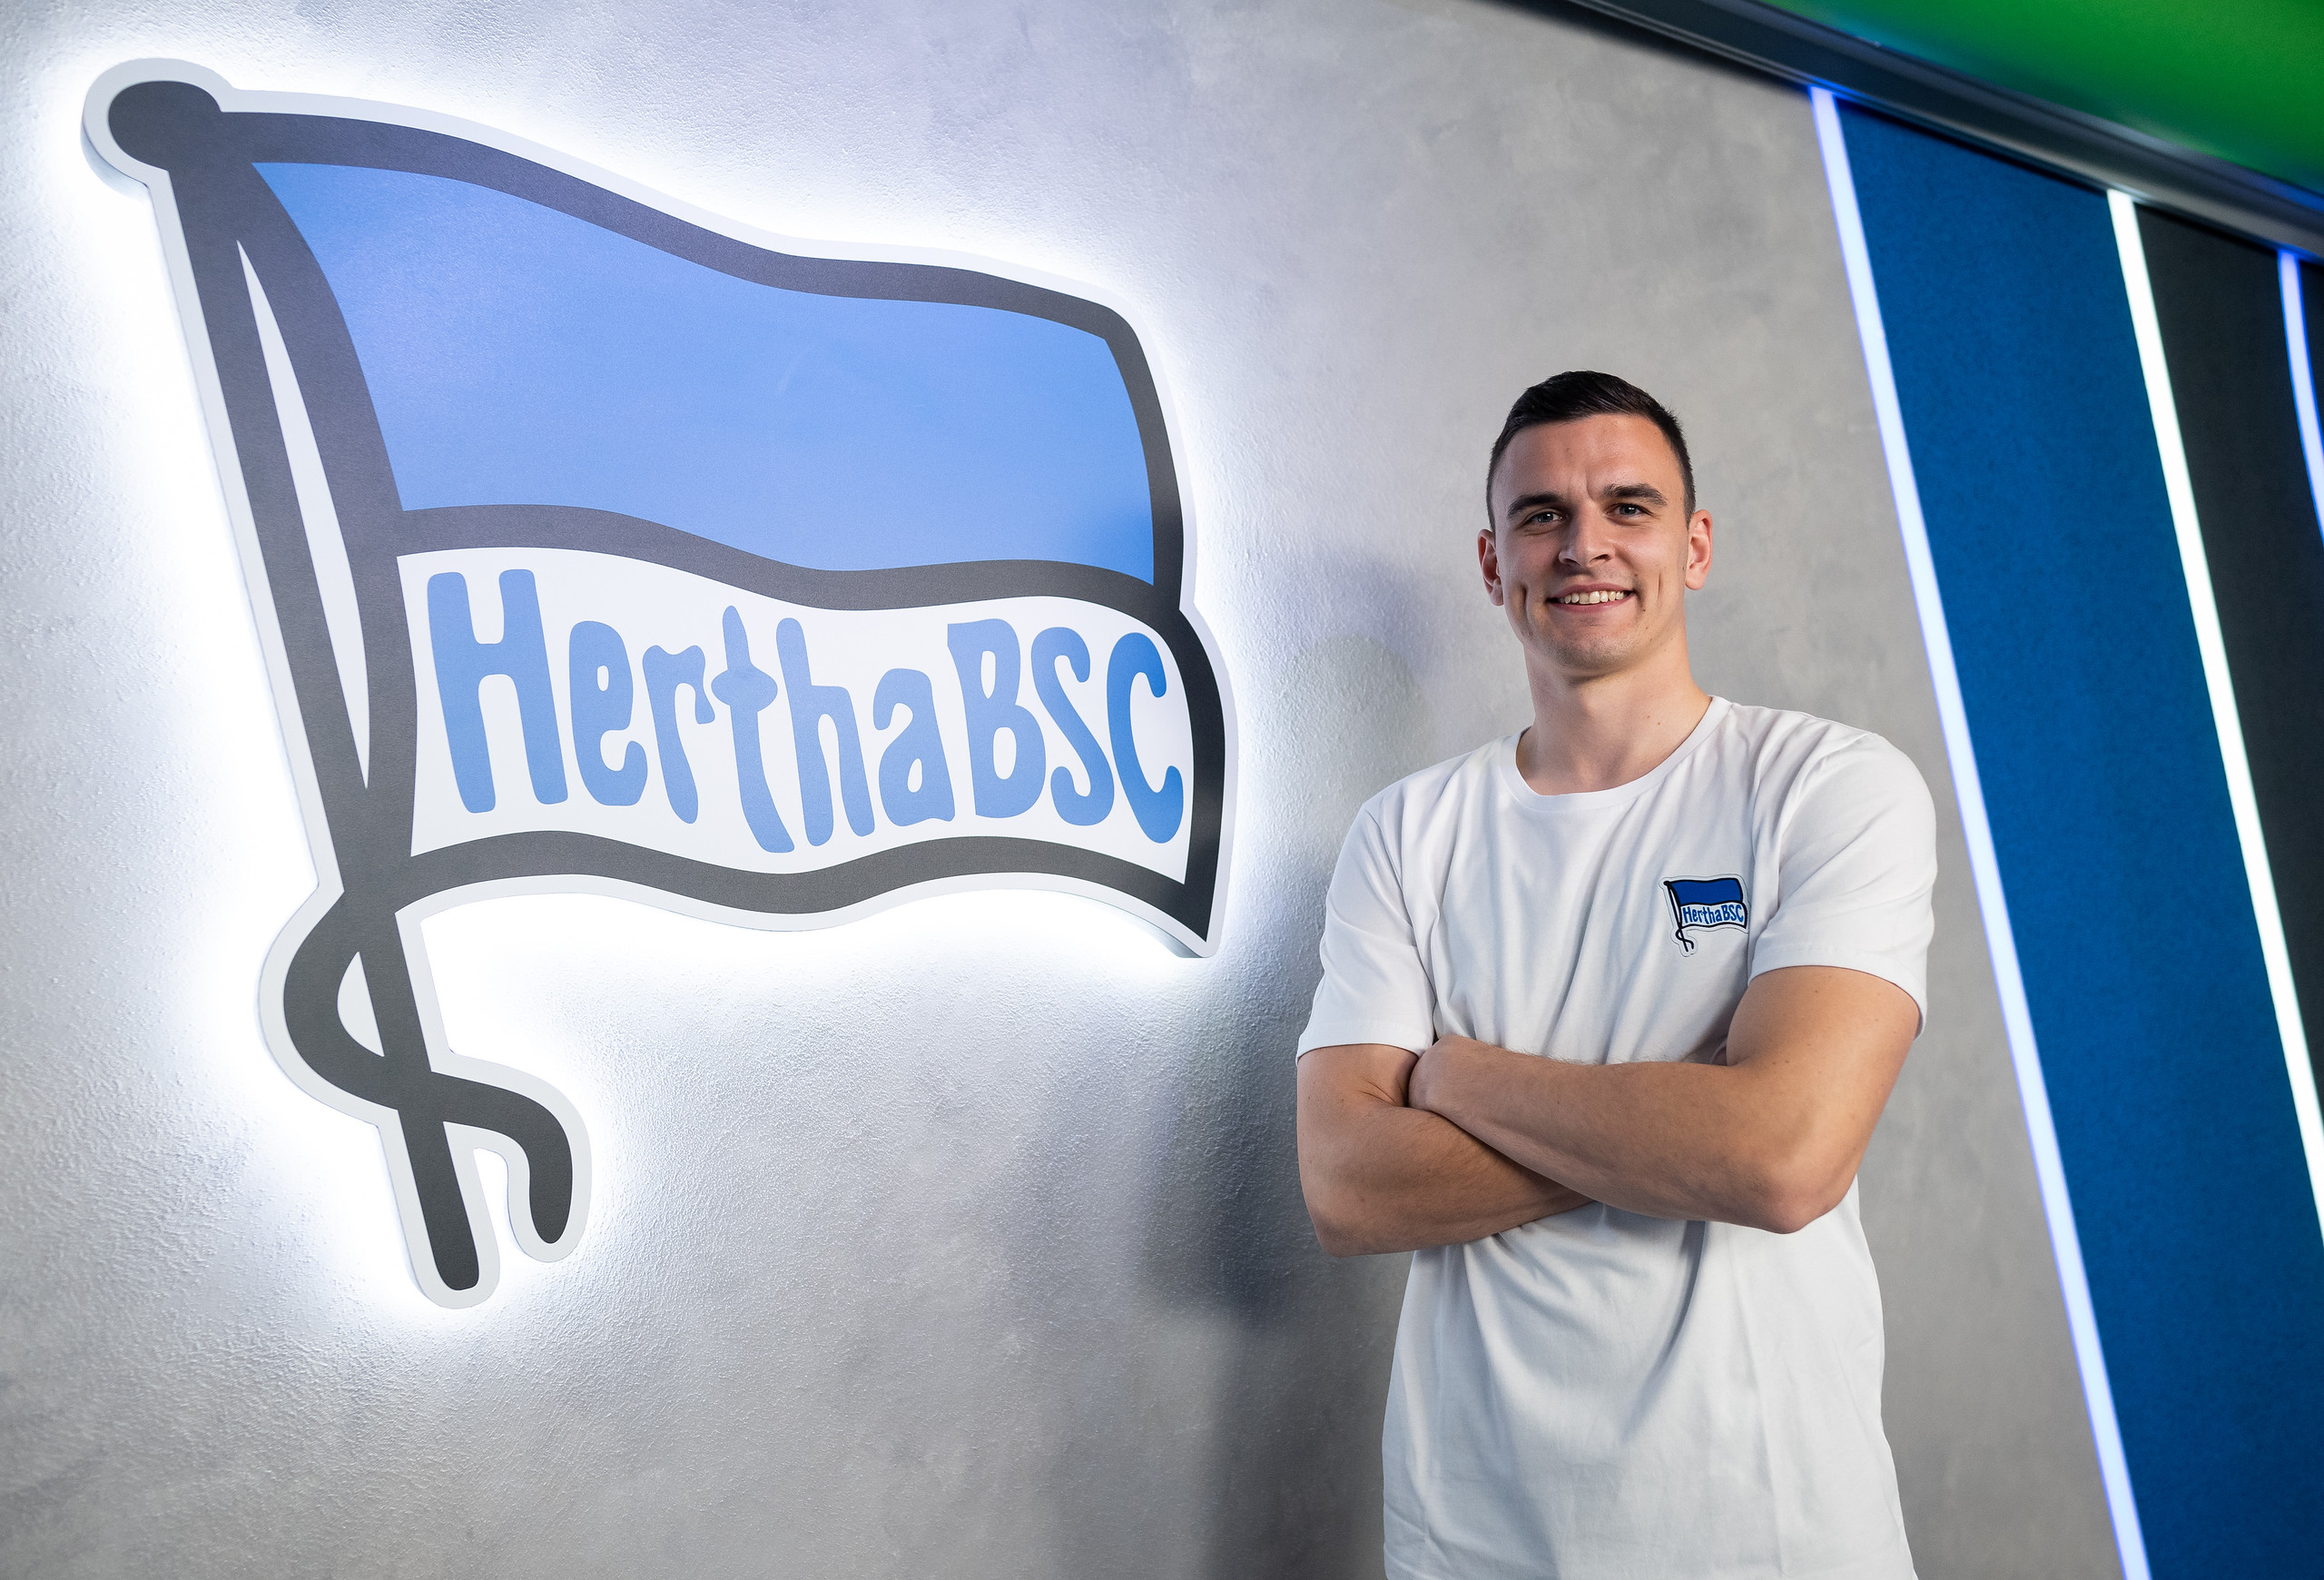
column 1489, row 562
column 1697, row 550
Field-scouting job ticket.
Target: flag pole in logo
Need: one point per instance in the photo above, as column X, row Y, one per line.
column 600, row 546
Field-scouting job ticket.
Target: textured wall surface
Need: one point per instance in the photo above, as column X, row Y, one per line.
column 965, row 1239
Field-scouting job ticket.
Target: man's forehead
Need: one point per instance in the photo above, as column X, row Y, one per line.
column 1588, row 455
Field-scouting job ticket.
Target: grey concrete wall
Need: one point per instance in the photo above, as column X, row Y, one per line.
column 964, row 1240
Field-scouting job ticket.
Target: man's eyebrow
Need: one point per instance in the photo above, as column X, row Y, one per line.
column 1645, row 491
column 1524, row 502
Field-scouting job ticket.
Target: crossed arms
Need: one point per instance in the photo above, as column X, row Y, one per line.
column 1398, row 1152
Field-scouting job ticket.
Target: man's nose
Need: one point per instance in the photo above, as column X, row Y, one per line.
column 1586, row 543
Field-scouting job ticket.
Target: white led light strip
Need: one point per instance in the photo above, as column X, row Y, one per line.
column 1984, row 867
column 2303, row 377
column 2181, row 487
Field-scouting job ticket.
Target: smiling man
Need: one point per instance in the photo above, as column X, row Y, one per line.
column 1610, row 1009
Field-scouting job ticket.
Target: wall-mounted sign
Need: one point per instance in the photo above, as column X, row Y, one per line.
column 602, row 546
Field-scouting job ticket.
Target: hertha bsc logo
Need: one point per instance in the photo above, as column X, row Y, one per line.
column 601, row 546
column 1703, row 904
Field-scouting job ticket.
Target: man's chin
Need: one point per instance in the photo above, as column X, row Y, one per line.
column 1593, row 660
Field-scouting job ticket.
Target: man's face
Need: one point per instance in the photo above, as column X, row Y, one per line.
column 1592, row 550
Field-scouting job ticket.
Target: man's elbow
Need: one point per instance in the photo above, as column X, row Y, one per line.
column 1792, row 1193
column 1339, row 1234
column 1342, row 1229
column 1785, row 1213
column 1336, row 1240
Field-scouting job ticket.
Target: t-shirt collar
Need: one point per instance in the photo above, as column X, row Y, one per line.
column 1504, row 758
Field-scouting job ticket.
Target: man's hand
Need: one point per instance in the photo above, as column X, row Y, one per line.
column 1380, row 1176
column 1771, row 1138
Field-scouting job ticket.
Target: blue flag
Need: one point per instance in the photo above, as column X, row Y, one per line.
column 607, row 549
column 1705, row 902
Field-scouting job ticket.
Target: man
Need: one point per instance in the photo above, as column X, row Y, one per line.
column 1610, row 1009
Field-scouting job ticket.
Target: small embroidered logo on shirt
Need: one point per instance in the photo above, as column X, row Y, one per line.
column 1700, row 902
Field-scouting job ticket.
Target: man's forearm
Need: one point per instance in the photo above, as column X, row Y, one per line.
column 1662, row 1140
column 1380, row 1176
column 1770, row 1140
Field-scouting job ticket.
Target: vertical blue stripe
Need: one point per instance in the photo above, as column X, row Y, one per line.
column 2025, row 409
column 1976, row 830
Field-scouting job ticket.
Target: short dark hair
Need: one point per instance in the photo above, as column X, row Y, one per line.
column 1570, row 397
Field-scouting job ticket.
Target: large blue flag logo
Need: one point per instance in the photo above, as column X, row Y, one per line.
column 600, row 546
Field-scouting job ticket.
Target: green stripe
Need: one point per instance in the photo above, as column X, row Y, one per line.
column 2242, row 79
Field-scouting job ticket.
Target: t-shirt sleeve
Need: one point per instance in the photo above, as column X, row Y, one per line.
column 1858, row 865
column 1374, row 987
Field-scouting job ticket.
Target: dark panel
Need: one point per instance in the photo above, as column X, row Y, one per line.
column 2220, row 301
column 2025, row 409
column 2311, row 300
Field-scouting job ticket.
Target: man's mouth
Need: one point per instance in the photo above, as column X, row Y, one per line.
column 1592, row 597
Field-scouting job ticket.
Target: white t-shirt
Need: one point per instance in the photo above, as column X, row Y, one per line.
column 1603, row 1395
